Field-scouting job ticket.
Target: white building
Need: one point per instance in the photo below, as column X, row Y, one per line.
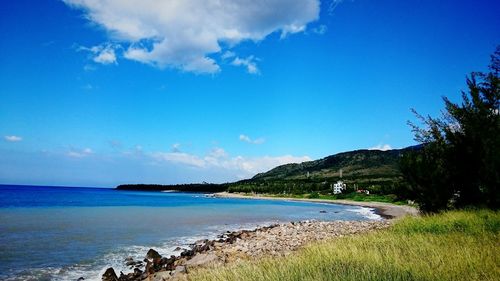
column 338, row 187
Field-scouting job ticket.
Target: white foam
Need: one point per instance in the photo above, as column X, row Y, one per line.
column 366, row 212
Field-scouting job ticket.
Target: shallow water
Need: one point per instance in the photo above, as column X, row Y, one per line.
column 63, row 233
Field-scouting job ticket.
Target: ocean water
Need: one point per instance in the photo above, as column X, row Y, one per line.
column 63, row 233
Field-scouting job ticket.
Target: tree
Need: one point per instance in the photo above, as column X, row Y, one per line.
column 459, row 163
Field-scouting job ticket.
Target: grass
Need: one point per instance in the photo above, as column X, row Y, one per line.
column 456, row 245
column 360, row 197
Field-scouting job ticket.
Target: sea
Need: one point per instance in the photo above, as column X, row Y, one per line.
column 64, row 233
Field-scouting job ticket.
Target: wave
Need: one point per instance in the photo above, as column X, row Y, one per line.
column 366, row 212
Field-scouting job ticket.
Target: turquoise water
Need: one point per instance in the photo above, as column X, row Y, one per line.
column 63, row 233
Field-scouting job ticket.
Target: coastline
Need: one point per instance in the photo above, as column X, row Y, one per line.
column 268, row 241
column 385, row 210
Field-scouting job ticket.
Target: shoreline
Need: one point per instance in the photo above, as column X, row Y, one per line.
column 267, row 241
column 385, row 210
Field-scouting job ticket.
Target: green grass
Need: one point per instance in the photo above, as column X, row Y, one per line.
column 360, row 197
column 456, row 245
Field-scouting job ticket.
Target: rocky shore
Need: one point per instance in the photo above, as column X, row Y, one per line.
column 274, row 240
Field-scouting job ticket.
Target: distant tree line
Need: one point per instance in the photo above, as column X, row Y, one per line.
column 459, row 163
column 194, row 187
column 323, row 187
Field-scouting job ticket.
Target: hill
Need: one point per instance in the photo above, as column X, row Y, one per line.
column 375, row 170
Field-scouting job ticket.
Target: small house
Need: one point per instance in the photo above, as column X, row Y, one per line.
column 338, row 187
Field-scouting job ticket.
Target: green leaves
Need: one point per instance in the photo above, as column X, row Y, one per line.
column 460, row 163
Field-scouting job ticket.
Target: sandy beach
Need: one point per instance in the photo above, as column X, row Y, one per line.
column 386, row 210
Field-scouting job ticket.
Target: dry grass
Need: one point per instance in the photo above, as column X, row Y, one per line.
column 458, row 245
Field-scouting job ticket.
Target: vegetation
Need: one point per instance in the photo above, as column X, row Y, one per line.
column 193, row 187
column 373, row 170
column 360, row 197
column 459, row 164
column 455, row 245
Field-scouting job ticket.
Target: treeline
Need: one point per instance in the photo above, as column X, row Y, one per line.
column 194, row 187
column 324, row 187
column 459, row 165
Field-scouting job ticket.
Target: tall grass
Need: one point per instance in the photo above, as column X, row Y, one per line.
column 456, row 245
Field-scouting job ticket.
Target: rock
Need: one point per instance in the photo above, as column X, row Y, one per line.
column 152, row 254
column 129, row 259
column 187, row 253
column 180, row 269
column 137, row 272
column 130, row 263
column 109, row 275
column 80, row 279
column 202, row 259
column 161, row 276
column 178, row 249
column 322, row 211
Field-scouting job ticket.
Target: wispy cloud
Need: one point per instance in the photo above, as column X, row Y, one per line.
column 321, row 29
column 185, row 34
column 249, row 63
column 179, row 158
column 246, row 138
column 218, row 158
column 382, row 147
column 228, row 55
column 102, row 54
column 333, row 5
column 80, row 153
column 13, row 138
column 176, row 147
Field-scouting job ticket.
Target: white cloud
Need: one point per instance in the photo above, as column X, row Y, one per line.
column 218, row 158
column 180, row 158
column 13, row 138
column 248, row 62
column 382, row 147
column 322, row 29
column 184, row 34
column 80, row 153
column 246, row 138
column 255, row 165
column 103, row 54
column 106, row 56
column 228, row 55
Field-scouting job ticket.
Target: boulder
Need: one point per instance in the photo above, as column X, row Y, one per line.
column 109, row 275
column 202, row 259
column 152, row 255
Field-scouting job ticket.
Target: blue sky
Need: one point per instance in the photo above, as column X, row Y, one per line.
column 98, row 94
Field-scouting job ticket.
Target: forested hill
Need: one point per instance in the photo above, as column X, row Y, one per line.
column 354, row 164
column 375, row 170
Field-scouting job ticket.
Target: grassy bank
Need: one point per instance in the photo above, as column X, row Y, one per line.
column 359, row 197
column 458, row 245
